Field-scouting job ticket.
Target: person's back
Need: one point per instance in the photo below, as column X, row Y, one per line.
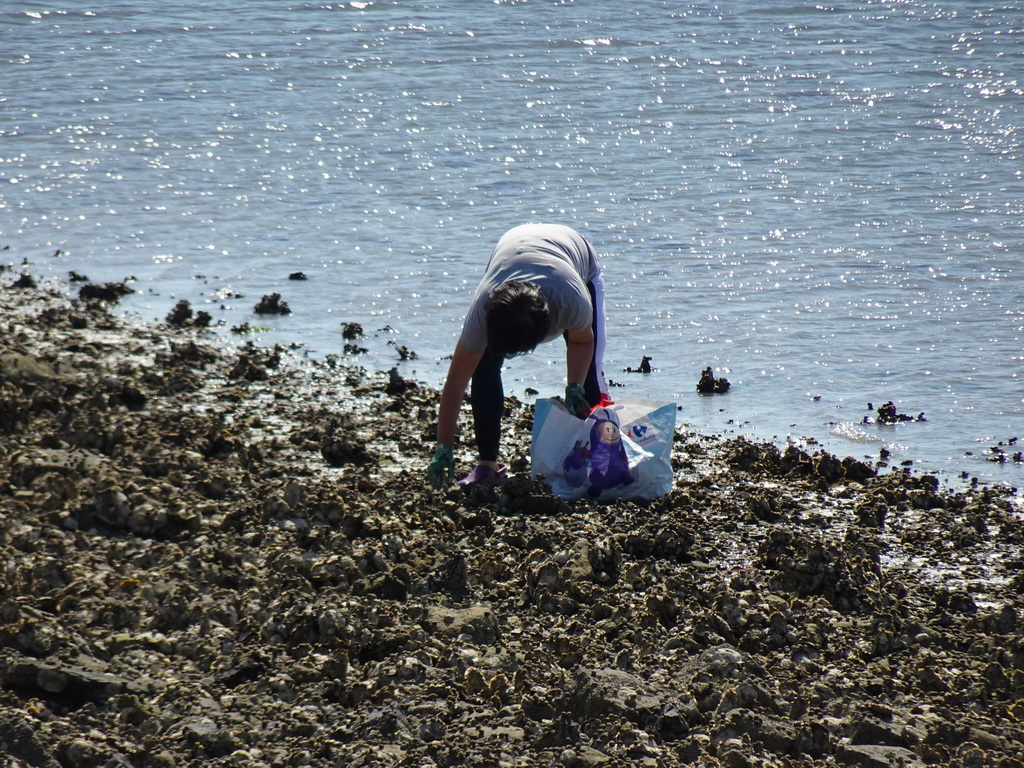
column 557, row 259
column 542, row 281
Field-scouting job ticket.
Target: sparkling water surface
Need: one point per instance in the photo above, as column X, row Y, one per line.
column 822, row 202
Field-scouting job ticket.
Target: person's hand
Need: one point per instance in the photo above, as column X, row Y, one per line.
column 576, row 401
column 441, row 469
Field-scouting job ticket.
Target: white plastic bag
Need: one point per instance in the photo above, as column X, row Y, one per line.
column 620, row 451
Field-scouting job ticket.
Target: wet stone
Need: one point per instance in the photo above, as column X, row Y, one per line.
column 271, row 304
column 109, row 292
column 877, row 756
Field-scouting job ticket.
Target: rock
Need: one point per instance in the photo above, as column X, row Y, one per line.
column 25, row 369
column 619, row 694
column 745, row 726
column 387, row 586
column 82, row 753
column 560, row 732
column 214, row 740
column 451, row 576
column 404, row 353
column 108, row 292
column 873, row 730
column 397, row 385
column 19, row 740
column 709, row 384
column 344, row 450
column 76, row 683
column 877, row 756
column 271, row 304
column 644, row 367
column 25, row 280
column 181, row 313
column 477, row 622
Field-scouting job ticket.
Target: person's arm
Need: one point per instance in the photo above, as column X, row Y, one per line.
column 460, row 371
column 579, row 354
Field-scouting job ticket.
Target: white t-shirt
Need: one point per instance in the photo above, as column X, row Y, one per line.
column 555, row 257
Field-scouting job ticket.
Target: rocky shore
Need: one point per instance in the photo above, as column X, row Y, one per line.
column 226, row 555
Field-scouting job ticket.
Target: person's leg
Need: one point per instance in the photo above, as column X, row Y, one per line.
column 487, row 398
column 595, row 386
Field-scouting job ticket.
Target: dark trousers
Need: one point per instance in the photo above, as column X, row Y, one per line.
column 487, row 396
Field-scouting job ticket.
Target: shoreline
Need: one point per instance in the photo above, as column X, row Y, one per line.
column 233, row 556
column 991, row 462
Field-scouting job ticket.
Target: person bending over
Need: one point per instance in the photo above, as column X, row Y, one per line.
column 542, row 281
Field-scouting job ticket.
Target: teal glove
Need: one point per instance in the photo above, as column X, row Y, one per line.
column 441, row 469
column 576, row 401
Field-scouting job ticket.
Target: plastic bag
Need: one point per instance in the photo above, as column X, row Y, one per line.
column 620, row 451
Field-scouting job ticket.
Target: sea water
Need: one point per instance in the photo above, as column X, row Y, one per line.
column 822, row 202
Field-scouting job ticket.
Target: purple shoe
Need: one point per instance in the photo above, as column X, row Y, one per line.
column 483, row 475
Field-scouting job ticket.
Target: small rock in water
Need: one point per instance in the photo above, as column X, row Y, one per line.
column 109, row 292
column 351, row 331
column 404, row 353
column 271, row 304
column 708, row 384
column 182, row 316
column 887, row 414
column 26, row 280
column 644, row 367
column 181, row 313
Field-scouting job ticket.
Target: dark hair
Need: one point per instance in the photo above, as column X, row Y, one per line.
column 517, row 318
